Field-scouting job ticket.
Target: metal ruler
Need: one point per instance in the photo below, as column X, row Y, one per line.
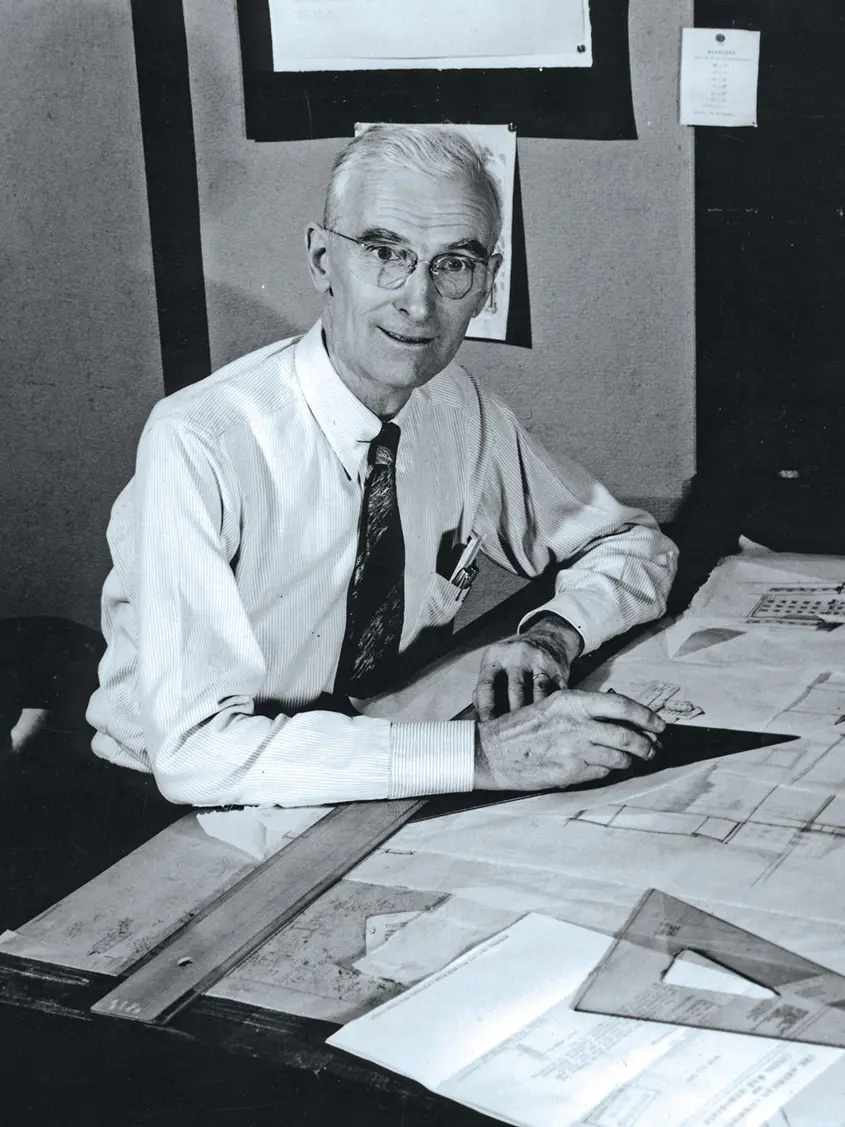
column 237, row 923
column 248, row 914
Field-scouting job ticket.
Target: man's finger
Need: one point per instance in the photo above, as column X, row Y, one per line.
column 593, row 772
column 544, row 685
column 627, row 740
column 517, row 695
column 484, row 697
column 623, row 710
column 609, row 757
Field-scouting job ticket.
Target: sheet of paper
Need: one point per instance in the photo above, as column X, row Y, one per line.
column 259, row 831
column 702, row 695
column 498, row 143
column 495, row 1030
column 719, row 76
column 822, row 567
column 380, row 929
column 308, row 967
column 454, row 1018
column 433, row 940
column 763, row 828
column 818, row 1105
column 755, row 612
column 120, row 916
column 387, row 34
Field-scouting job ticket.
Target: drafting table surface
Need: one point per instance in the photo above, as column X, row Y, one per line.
column 750, row 836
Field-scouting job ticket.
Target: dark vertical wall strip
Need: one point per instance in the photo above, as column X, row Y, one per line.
column 770, row 299
column 168, row 134
column 770, row 242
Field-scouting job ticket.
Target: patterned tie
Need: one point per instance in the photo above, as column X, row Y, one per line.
column 375, row 605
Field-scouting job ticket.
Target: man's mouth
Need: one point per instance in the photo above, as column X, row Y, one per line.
column 403, row 339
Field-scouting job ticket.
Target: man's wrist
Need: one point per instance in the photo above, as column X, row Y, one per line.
column 557, row 631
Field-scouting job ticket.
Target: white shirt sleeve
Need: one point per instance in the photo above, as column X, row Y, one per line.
column 536, row 511
column 200, row 667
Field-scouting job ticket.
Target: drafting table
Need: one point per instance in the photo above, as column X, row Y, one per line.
column 222, row 1063
column 749, row 835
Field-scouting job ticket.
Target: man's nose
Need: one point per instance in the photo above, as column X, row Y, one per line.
column 418, row 295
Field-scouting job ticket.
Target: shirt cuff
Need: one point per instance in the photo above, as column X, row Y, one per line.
column 436, row 757
column 585, row 612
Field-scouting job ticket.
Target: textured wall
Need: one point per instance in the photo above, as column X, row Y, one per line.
column 80, row 349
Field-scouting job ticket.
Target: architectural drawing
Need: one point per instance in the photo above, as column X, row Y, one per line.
column 663, row 699
column 800, row 605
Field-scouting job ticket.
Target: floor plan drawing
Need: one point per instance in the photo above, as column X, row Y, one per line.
column 800, row 606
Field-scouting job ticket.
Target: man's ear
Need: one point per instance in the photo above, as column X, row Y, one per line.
column 319, row 265
column 493, row 264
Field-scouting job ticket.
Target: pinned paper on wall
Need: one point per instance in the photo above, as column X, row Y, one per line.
column 719, row 69
column 553, row 68
column 498, row 143
column 381, row 34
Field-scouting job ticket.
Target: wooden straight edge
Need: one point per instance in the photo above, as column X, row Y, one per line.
column 254, row 909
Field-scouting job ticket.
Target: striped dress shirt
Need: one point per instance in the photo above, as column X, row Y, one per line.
column 232, row 550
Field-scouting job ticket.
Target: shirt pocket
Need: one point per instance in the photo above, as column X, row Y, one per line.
column 441, row 601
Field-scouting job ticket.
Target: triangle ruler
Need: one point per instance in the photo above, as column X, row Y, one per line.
column 804, row 1001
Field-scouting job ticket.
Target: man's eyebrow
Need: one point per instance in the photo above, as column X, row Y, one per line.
column 380, row 235
column 383, row 235
column 472, row 245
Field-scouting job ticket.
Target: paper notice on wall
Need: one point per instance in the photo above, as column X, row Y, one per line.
column 719, row 76
column 403, row 34
column 498, row 143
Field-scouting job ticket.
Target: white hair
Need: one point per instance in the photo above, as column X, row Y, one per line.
column 430, row 150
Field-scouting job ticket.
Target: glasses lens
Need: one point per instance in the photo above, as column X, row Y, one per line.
column 393, row 273
column 381, row 265
column 453, row 275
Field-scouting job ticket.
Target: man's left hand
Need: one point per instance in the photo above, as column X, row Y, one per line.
column 526, row 667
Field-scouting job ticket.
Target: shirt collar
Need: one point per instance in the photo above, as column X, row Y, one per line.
column 348, row 425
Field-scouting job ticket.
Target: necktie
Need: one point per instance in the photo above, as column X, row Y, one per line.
column 375, row 605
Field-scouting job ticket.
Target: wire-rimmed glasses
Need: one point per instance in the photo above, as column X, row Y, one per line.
column 388, row 266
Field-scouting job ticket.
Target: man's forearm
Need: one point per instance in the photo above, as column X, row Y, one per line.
column 623, row 580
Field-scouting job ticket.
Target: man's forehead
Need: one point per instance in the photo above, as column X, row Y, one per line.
column 412, row 204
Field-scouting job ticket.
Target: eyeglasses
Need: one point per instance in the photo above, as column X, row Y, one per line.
column 388, row 266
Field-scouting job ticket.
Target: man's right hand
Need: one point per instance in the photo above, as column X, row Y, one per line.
column 569, row 737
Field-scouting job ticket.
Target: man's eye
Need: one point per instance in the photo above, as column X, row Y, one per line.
column 454, row 264
column 383, row 253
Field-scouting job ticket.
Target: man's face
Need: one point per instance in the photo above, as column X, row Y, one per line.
column 386, row 342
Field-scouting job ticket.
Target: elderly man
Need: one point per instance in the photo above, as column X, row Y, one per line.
column 292, row 533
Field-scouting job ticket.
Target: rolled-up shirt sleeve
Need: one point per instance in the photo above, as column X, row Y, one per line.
column 615, row 567
column 200, row 668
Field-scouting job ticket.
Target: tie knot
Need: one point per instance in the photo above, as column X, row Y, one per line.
column 384, row 446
